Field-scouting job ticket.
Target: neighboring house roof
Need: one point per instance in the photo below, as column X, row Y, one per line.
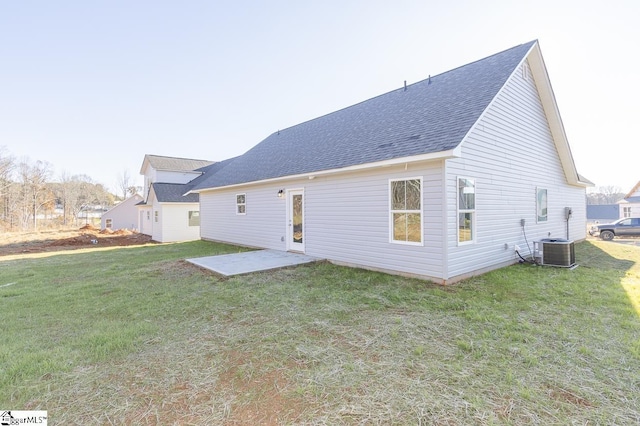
column 136, row 199
column 425, row 120
column 174, row 193
column 208, row 171
column 180, row 193
column 635, row 199
column 174, row 164
column 603, row 211
column 635, row 190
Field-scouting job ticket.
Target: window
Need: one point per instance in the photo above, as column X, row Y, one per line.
column 626, row 212
column 406, row 210
column 541, row 205
column 108, row 223
column 241, row 204
column 148, row 215
column 156, row 215
column 466, row 210
column 194, row 218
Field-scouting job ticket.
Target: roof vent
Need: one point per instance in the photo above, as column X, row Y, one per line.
column 405, row 85
column 413, row 138
column 385, row 145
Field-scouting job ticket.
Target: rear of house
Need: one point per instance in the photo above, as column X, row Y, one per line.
column 630, row 205
column 435, row 181
column 167, row 213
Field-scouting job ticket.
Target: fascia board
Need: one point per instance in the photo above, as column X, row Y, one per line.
column 453, row 153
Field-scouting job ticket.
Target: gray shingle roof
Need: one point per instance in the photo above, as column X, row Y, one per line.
column 174, row 193
column 430, row 116
column 209, row 171
column 176, row 164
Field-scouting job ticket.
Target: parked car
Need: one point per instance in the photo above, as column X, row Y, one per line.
column 629, row 226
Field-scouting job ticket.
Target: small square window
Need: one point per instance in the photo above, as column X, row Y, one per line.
column 194, row 218
column 108, row 223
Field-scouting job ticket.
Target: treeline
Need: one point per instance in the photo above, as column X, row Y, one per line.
column 605, row 195
column 30, row 197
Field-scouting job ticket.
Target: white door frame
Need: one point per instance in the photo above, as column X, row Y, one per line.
column 293, row 245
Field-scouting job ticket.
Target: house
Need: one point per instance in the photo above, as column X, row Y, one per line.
column 630, row 205
column 440, row 179
column 602, row 213
column 166, row 213
column 123, row 215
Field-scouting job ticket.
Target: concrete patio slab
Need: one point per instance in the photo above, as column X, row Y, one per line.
column 251, row 261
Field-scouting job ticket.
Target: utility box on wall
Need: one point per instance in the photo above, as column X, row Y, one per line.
column 555, row 252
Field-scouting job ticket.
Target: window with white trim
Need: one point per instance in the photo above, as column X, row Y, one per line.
column 466, row 210
column 626, row 212
column 108, row 223
column 241, row 204
column 405, row 210
column 541, row 205
column 156, row 215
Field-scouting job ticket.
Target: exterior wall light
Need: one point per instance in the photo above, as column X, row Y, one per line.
column 281, row 193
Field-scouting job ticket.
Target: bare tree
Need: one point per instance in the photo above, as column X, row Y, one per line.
column 124, row 183
column 7, row 165
column 32, row 179
column 605, row 195
column 79, row 193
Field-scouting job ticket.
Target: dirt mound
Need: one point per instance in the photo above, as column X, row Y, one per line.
column 80, row 240
column 89, row 227
column 108, row 231
column 122, row 232
column 69, row 240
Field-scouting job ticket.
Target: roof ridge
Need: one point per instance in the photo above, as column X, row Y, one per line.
column 402, row 88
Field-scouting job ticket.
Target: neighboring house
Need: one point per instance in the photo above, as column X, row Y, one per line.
column 433, row 180
column 630, row 206
column 166, row 213
column 602, row 213
column 123, row 215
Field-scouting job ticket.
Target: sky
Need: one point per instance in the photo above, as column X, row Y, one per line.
column 91, row 87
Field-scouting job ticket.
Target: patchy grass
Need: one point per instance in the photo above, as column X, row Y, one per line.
column 137, row 336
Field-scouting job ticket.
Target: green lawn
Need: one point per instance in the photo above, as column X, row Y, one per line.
column 137, row 336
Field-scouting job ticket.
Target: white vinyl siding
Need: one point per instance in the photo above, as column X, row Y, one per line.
column 175, row 177
column 346, row 219
column 124, row 215
column 265, row 227
column 509, row 153
column 174, row 223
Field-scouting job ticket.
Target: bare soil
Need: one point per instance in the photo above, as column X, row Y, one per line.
column 88, row 236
